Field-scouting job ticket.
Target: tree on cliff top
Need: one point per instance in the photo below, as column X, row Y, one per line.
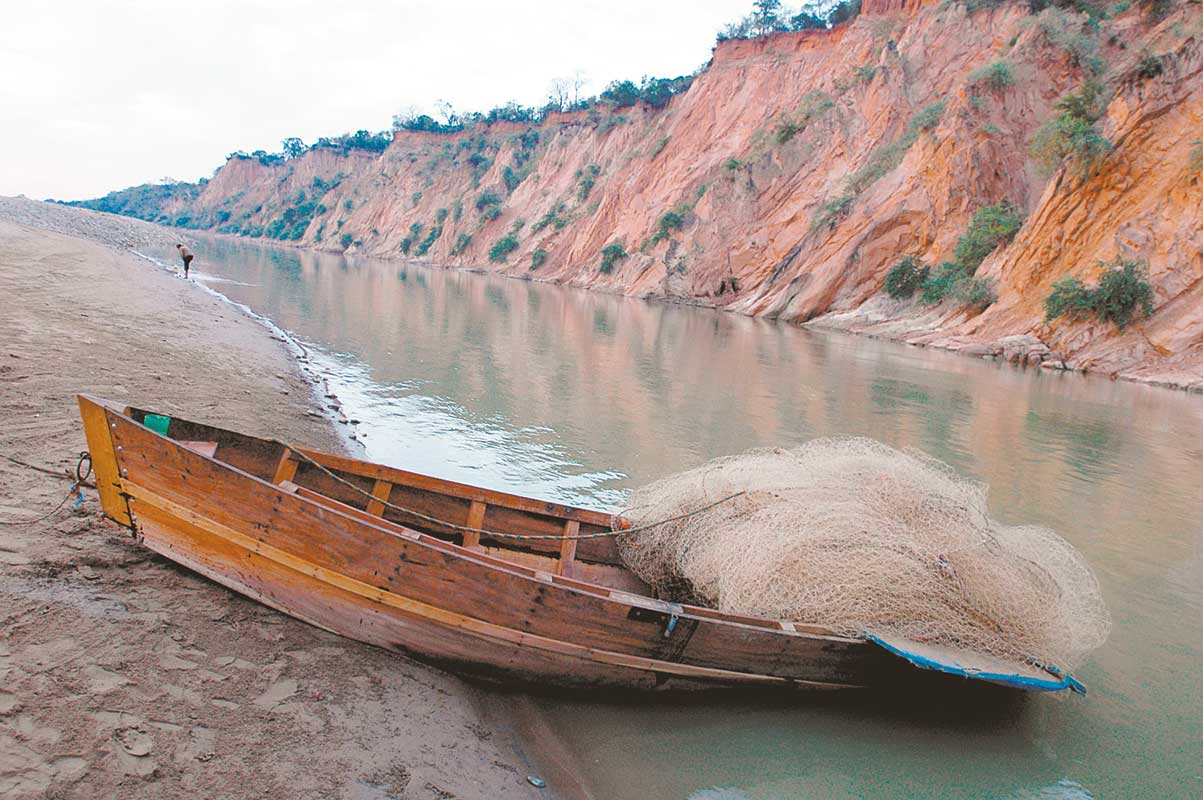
column 293, row 147
column 768, row 17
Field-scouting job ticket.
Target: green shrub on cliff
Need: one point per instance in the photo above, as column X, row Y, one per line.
column 832, row 211
column 671, row 221
column 461, row 244
column 991, row 226
column 345, row 240
column 537, row 258
column 611, row 254
column 486, row 199
column 995, row 76
column 503, row 247
column 587, row 178
column 1196, row 155
column 1123, row 293
column 435, row 232
column 942, row 283
column 906, row 277
column 552, row 217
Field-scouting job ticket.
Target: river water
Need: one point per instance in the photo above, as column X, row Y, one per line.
column 577, row 396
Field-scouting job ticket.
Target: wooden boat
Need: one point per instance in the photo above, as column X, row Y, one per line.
column 426, row 566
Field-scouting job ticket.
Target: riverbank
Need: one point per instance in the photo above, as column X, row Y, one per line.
column 123, row 674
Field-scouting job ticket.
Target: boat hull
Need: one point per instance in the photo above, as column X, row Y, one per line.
column 366, row 578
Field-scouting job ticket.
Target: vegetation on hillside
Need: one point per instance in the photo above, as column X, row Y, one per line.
column 1122, row 293
column 146, row 201
column 1072, row 135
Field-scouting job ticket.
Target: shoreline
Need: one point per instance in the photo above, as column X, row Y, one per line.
column 1021, row 350
column 124, row 674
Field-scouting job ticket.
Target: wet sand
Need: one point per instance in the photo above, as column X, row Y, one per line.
column 123, row 675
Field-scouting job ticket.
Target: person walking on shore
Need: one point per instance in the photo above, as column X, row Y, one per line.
column 185, row 254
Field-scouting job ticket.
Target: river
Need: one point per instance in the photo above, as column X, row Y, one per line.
column 577, row 396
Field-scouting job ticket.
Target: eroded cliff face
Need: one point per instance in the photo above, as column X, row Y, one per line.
column 799, row 168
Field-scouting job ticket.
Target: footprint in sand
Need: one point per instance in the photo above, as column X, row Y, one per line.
column 9, row 703
column 277, row 693
column 133, row 750
column 101, row 680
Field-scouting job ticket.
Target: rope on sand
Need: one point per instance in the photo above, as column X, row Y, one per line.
column 78, row 479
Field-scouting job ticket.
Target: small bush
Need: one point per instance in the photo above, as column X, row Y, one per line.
column 435, row 232
column 906, row 277
column 345, row 240
column 925, row 120
column 406, row 243
column 490, row 213
column 348, row 204
column 991, row 226
column 1148, row 67
column 552, row 217
column 1196, row 155
column 588, row 179
column 486, row 200
column 440, row 216
column 996, row 76
column 865, row 73
column 611, row 254
column 942, row 283
column 1122, row 293
column 733, row 164
column 416, row 197
column 974, row 292
column 831, row 212
column 671, row 221
column 538, row 258
column 461, row 244
column 658, row 147
column 1070, row 298
column 787, row 130
column 503, row 247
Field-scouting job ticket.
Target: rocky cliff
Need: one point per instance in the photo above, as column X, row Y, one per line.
column 799, row 168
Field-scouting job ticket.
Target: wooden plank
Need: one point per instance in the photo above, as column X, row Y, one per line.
column 104, row 459
column 487, row 496
column 568, row 548
column 286, row 470
column 476, row 519
column 380, row 492
column 204, row 448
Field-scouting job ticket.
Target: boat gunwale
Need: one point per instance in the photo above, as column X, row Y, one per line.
column 570, row 585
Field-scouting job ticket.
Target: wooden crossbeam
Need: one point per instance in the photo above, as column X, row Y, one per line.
column 476, row 519
column 568, row 548
column 286, row 470
column 381, row 489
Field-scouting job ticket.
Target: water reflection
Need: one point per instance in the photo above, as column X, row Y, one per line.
column 577, row 396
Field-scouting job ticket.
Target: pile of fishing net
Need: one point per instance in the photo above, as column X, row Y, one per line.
column 861, row 538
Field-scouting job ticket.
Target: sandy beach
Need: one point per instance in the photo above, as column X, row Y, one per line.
column 123, row 675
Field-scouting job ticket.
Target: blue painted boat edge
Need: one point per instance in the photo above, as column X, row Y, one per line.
column 1062, row 680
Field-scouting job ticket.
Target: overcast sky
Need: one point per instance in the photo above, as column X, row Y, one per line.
column 97, row 95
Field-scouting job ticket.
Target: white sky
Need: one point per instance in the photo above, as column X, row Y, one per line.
column 97, row 95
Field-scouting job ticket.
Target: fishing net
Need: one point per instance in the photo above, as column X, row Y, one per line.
column 859, row 537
